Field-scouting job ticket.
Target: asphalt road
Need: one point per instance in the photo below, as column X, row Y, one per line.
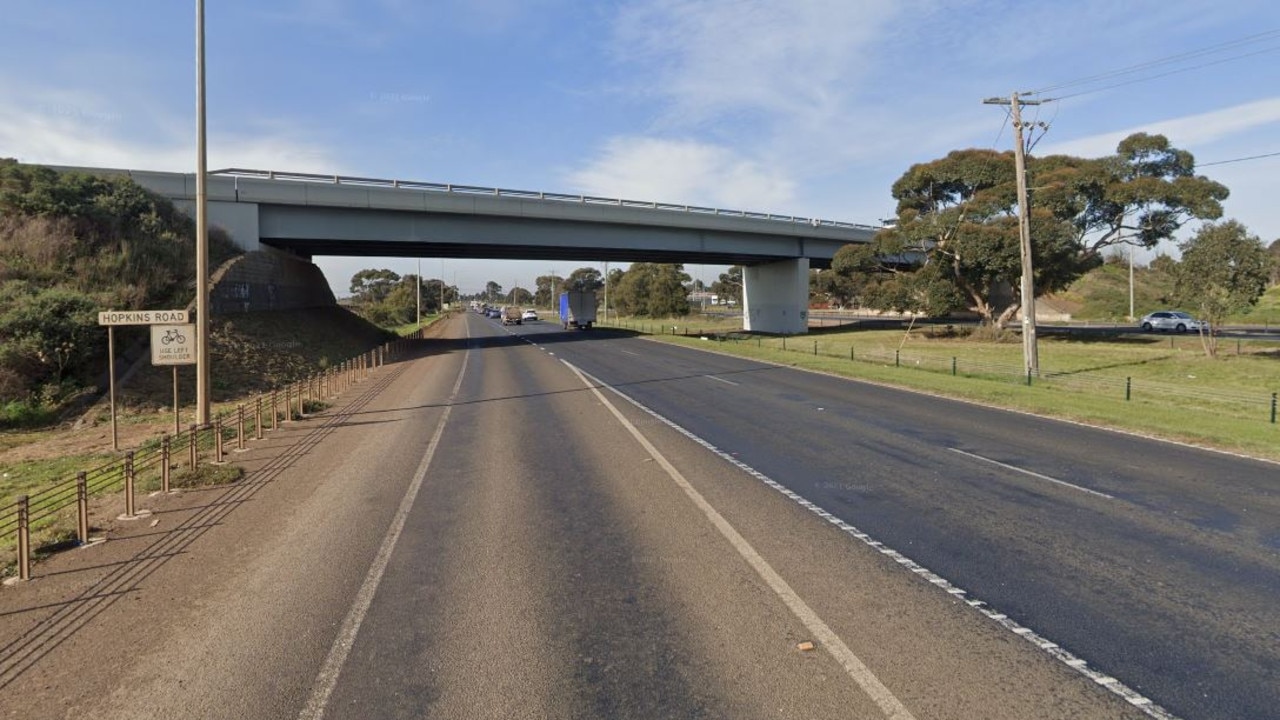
column 1157, row 563
column 483, row 531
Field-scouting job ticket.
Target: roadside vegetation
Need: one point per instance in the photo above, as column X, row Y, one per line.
column 70, row 246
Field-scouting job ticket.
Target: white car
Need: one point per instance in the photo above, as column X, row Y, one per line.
column 529, row 314
column 1174, row 320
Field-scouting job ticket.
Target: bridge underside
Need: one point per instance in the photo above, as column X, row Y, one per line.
column 311, row 232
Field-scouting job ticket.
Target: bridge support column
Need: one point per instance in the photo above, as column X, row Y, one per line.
column 775, row 297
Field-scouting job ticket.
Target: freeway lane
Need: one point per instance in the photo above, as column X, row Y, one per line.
column 1156, row 563
column 475, row 532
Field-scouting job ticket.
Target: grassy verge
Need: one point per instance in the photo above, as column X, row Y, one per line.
column 1173, row 390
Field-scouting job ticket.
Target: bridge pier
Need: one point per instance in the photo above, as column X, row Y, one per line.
column 775, row 297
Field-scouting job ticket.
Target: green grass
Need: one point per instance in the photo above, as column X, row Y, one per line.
column 1175, row 391
column 25, row 477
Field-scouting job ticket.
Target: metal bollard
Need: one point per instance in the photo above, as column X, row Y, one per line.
column 128, row 484
column 240, row 426
column 164, row 464
column 24, row 538
column 82, row 508
column 217, row 440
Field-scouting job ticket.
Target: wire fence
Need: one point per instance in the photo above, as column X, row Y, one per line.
column 58, row 515
column 1226, row 402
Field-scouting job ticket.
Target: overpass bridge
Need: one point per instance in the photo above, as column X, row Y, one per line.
column 334, row 215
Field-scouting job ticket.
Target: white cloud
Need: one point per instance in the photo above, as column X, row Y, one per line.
column 684, row 171
column 65, row 128
column 1184, row 132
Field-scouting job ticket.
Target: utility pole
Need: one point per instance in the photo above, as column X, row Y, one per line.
column 1030, row 352
column 419, row 292
column 202, row 233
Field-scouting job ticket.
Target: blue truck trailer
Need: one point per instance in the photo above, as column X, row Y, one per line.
column 578, row 309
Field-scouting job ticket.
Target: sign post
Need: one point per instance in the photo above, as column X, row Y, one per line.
column 112, row 318
column 174, row 345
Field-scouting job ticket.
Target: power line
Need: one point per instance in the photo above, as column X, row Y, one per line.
column 1164, row 74
column 1236, row 160
column 1181, row 57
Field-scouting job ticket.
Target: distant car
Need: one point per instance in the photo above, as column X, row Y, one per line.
column 1174, row 320
column 529, row 314
column 493, row 313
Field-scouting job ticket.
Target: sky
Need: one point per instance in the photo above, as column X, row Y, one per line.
column 798, row 107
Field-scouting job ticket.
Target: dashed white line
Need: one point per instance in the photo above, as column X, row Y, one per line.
column 1080, row 665
column 1033, row 474
column 718, row 379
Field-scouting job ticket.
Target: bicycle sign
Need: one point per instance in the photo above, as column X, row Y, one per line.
column 173, row 345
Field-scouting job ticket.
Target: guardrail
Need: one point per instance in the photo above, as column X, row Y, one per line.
column 49, row 511
column 532, row 195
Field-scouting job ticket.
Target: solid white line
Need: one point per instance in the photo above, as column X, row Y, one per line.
column 726, row 382
column 1033, row 474
column 861, row 674
column 327, row 679
column 631, row 353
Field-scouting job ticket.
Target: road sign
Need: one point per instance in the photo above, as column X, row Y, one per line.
column 173, row 344
column 141, row 317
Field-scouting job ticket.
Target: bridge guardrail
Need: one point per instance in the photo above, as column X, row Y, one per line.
column 532, row 195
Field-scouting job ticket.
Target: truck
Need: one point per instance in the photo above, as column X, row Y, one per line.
column 578, row 309
column 511, row 315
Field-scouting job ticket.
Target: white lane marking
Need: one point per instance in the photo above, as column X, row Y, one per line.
column 726, row 382
column 631, row 353
column 1052, row 649
column 861, row 674
column 1037, row 475
column 327, row 679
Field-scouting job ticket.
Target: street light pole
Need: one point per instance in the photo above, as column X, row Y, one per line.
column 202, row 233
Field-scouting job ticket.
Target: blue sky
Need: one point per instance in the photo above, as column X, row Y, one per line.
column 803, row 107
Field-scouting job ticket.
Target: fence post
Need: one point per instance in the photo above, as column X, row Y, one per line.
column 784, row 343
column 82, row 508
column 815, row 347
column 953, row 366
column 257, row 425
column 193, row 440
column 274, row 410
column 851, row 353
column 164, row 463
column 128, row 484
column 897, row 358
column 217, row 440
column 24, row 538
column 1128, row 389
column 1273, row 408
column 240, row 426
column 288, row 403
column 1028, row 377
